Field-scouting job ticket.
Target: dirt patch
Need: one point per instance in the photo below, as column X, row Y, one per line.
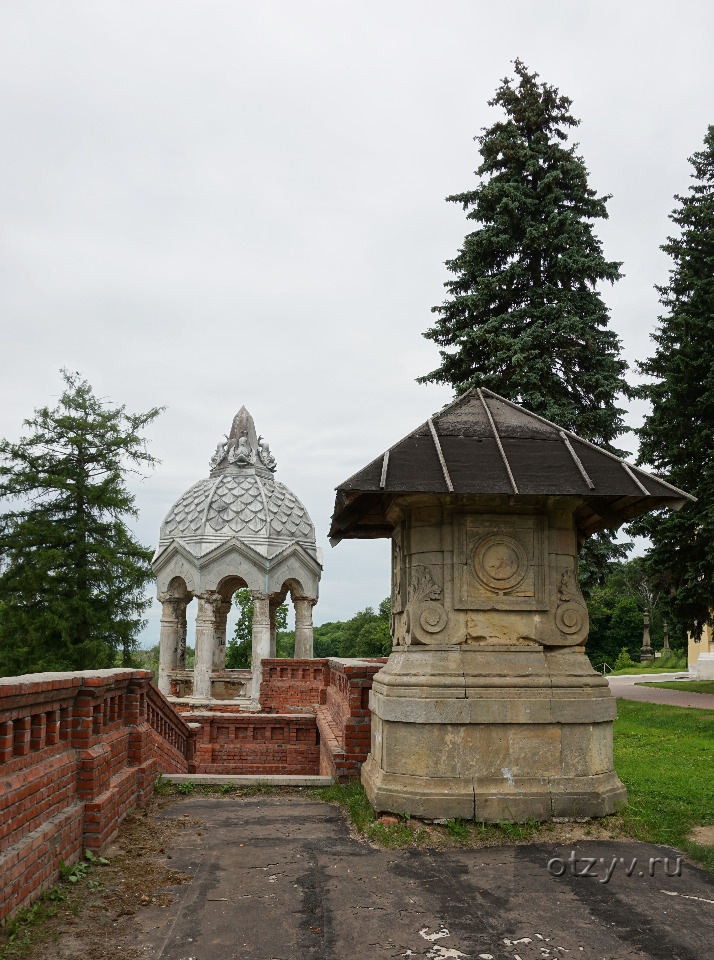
column 703, row 835
column 89, row 921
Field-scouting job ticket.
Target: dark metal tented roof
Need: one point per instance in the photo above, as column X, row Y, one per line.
column 485, row 444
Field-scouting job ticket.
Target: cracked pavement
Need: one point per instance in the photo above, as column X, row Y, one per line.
column 281, row 878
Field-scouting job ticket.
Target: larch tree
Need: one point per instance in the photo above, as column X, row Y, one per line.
column 524, row 316
column 72, row 575
column 677, row 437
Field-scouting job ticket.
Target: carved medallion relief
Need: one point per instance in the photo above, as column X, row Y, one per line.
column 500, row 563
column 503, row 570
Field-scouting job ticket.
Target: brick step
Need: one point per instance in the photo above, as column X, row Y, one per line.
column 249, row 780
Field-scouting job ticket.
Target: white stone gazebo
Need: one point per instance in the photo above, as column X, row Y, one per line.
column 237, row 528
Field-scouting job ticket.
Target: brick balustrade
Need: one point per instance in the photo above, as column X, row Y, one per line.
column 293, row 686
column 172, row 739
column 77, row 750
column 255, row 743
column 336, row 693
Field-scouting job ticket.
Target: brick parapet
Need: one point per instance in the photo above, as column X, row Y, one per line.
column 77, row 751
column 292, row 685
column 245, row 743
column 336, row 691
column 344, row 721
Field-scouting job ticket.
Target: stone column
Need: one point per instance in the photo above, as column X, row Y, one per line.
column 168, row 639
column 260, row 639
column 181, row 658
column 665, row 646
column 303, row 628
column 274, row 604
column 208, row 604
column 219, row 650
column 646, row 652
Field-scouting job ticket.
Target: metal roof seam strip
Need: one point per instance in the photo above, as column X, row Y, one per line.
column 630, row 474
column 439, row 453
column 588, row 443
column 576, row 460
column 385, row 465
column 498, row 441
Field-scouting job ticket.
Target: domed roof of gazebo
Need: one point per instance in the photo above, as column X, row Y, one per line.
column 241, row 498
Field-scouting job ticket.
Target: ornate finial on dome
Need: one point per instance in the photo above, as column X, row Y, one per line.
column 265, row 456
column 243, row 447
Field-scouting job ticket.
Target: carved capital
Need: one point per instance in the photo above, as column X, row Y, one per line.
column 172, row 607
column 208, row 605
column 261, row 609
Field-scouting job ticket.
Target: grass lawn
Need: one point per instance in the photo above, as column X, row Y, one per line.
column 641, row 668
column 665, row 758
column 690, row 686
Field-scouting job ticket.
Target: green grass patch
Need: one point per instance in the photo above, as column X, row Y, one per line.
column 164, row 786
column 689, row 686
column 403, row 831
column 665, row 757
column 641, row 668
column 21, row 933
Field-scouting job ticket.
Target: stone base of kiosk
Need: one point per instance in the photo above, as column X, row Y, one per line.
column 492, row 732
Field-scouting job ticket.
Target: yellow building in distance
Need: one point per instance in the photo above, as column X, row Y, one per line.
column 705, row 645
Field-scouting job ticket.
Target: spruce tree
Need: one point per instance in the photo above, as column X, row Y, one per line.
column 524, row 316
column 677, row 437
column 72, row 575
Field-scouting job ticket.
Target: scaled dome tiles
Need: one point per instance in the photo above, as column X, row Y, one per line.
column 240, row 499
column 250, row 508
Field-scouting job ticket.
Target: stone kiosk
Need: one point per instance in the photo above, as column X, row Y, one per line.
column 488, row 707
column 237, row 528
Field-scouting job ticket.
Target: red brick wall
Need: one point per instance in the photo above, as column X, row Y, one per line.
column 336, row 692
column 245, row 743
column 292, row 686
column 345, row 721
column 76, row 752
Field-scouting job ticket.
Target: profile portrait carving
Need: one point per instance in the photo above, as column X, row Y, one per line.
column 500, row 562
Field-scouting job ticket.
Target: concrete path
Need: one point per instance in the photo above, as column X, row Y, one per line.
column 625, row 689
column 280, row 878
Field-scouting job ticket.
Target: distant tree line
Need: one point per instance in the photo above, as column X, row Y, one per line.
column 616, row 608
column 366, row 634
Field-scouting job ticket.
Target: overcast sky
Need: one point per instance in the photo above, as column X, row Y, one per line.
column 210, row 204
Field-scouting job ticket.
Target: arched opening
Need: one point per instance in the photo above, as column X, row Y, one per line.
column 174, row 633
column 302, row 605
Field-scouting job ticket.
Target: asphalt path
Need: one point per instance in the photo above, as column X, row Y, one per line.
column 281, row 878
column 636, row 687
